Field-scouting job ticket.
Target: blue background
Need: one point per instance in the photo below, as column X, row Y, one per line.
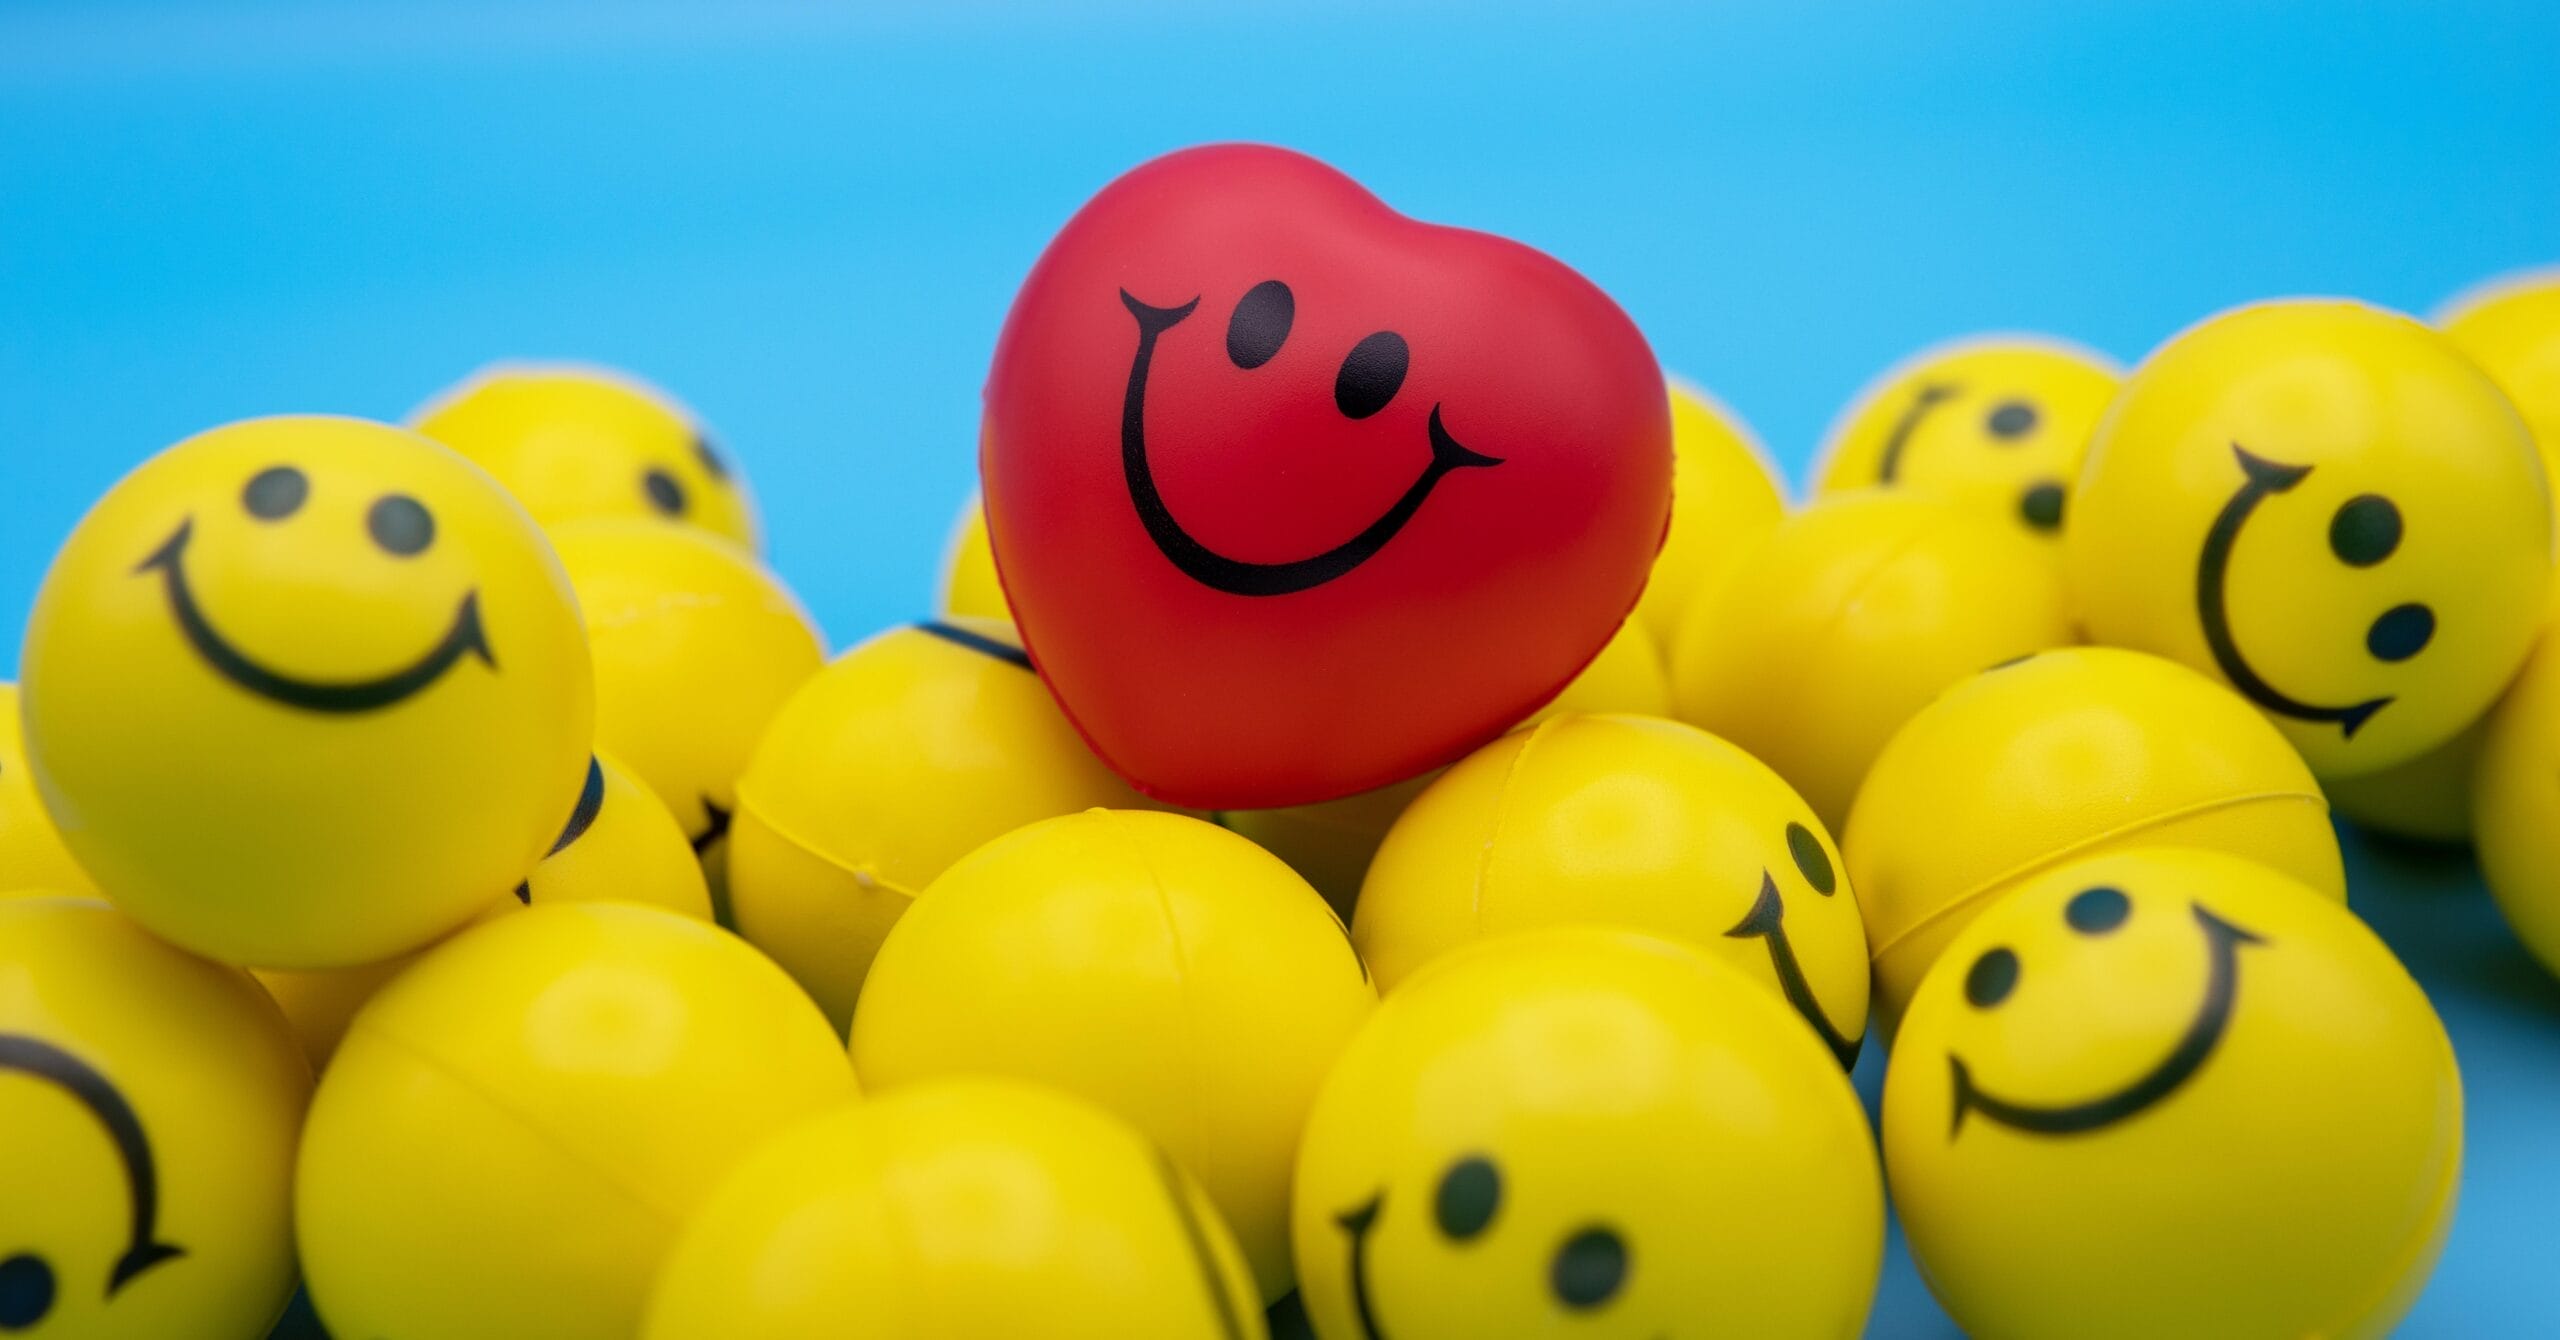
column 808, row 221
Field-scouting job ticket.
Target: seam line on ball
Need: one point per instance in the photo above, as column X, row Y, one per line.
column 1501, row 812
column 787, row 833
column 1137, row 852
column 1876, row 953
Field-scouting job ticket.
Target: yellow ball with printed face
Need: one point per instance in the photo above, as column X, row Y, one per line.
column 696, row 647
column 1585, row 1131
column 151, row 1102
column 958, row 1209
column 2085, row 1116
column 899, row 758
column 1724, row 499
column 579, row 443
column 31, row 852
column 1625, row 821
column 2062, row 755
column 1995, row 423
column 305, row 692
column 2331, row 509
column 535, row 1108
column 1162, row 967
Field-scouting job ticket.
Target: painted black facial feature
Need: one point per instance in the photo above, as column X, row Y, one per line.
column 1356, row 1224
column 1236, row 576
column 30, row 1286
column 1230, row 1322
column 2365, row 530
column 977, row 642
column 2041, row 505
column 2011, row 420
column 1260, row 324
column 2261, row 479
column 2096, row 911
column 715, row 826
column 463, row 638
column 1767, row 922
column 1923, row 402
column 664, row 492
column 713, row 464
column 275, row 493
column 1991, row 978
column 2223, row 943
column 1371, row 374
column 401, row 525
column 1811, row 860
column 1470, row 1194
column 1589, row 1268
column 2401, row 632
column 26, row 1291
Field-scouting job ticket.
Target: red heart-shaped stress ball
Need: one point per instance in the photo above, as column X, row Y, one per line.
column 1295, row 496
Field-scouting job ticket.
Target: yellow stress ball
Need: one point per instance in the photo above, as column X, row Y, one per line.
column 1995, row 423
column 31, row 852
column 2515, row 804
column 305, row 692
column 1628, row 821
column 696, row 645
column 2170, row 1092
column 2062, row 755
column 1585, row 1131
column 515, row 1129
column 149, row 1103
column 620, row 845
column 970, row 589
column 2511, row 327
column 1724, row 498
column 2330, row 508
column 900, row 757
column 1162, row 967
column 576, row 443
column 1849, row 618
column 959, row 1209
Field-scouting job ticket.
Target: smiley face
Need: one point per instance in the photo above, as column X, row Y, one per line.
column 1628, row 821
column 305, row 690
column 2331, row 509
column 1997, row 423
column 579, row 443
column 152, row 1101
column 1543, row 1134
column 2078, row 1115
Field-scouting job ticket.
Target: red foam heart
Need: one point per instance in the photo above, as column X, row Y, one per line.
column 1294, row 496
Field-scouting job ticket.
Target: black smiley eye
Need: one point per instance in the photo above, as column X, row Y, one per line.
column 664, row 492
column 1991, row 979
column 1811, row 859
column 1589, row 1268
column 1371, row 374
column 2365, row 530
column 1260, row 324
column 712, row 464
column 2402, row 632
column 2011, row 420
column 1470, row 1192
column 2041, row 505
column 26, row 1291
column 401, row 524
column 2096, row 911
column 275, row 493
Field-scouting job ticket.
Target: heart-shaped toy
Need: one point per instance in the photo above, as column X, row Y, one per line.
column 1294, row 496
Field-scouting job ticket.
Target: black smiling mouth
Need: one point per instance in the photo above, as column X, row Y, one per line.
column 1356, row 1223
column 2213, row 565
column 464, row 638
column 2223, row 942
column 1767, row 921
column 1236, row 576
column 38, row 1059
column 1930, row 396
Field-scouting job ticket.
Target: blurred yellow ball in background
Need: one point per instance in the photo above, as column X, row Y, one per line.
column 696, row 646
column 959, row 1209
column 1586, row 1131
column 2511, row 327
column 970, row 589
column 2066, row 754
column 514, row 1129
column 2515, row 804
column 1162, row 967
column 2166, row 1092
column 575, row 442
column 899, row 758
column 2330, row 508
column 1994, row 423
column 31, row 852
column 305, row 692
column 149, row 1104
column 1725, row 497
column 1626, row 821
column 1849, row 618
